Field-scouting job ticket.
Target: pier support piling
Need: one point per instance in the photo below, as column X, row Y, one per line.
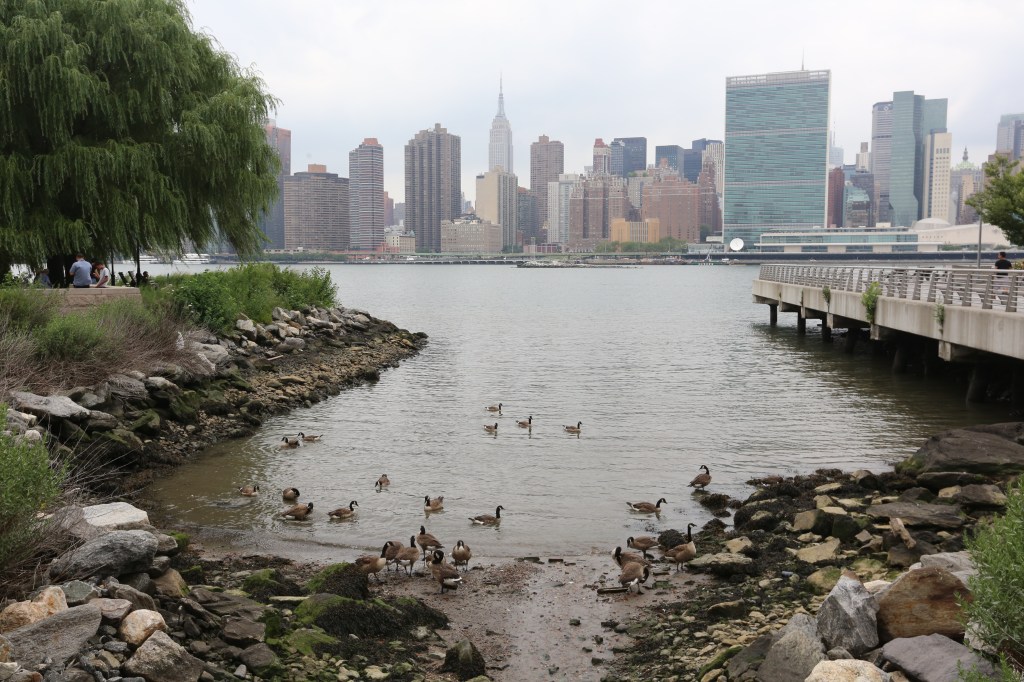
column 978, row 388
column 850, row 342
column 900, row 359
column 801, row 324
column 773, row 314
column 826, row 333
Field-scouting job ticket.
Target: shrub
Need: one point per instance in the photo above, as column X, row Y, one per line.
column 870, row 300
column 69, row 337
column 27, row 308
column 998, row 589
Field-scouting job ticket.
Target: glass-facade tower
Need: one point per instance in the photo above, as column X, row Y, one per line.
column 776, row 152
column 913, row 118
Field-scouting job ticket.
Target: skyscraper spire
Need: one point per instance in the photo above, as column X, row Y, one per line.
column 501, row 97
column 500, row 150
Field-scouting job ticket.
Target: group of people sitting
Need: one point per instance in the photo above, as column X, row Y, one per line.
column 84, row 275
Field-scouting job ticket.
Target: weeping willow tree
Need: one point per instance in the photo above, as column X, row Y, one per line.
column 122, row 128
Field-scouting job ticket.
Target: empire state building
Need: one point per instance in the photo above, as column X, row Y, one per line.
column 499, row 152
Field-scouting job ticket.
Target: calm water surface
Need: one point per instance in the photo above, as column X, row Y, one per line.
column 668, row 368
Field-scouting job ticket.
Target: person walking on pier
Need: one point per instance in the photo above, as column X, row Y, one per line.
column 1002, row 262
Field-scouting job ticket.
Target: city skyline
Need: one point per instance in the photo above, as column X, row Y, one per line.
column 315, row 55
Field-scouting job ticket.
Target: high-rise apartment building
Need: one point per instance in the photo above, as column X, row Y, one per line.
column 881, row 158
column 547, row 162
column 776, row 152
column 714, row 151
column 389, row 211
column 616, row 158
column 836, row 195
column 859, row 206
column 272, row 222
column 602, row 158
column 593, row 205
column 559, row 193
column 675, row 203
column 433, row 184
column 672, row 154
column 499, row 151
column 1005, row 132
column 863, row 164
column 913, row 118
column 526, row 216
column 693, row 158
column 709, row 212
column 366, row 196
column 497, row 201
column 935, row 183
column 634, row 155
column 316, row 206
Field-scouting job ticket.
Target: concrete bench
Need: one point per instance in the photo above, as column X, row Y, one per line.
column 76, row 299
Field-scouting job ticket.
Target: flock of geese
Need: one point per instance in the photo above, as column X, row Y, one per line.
column 635, row 567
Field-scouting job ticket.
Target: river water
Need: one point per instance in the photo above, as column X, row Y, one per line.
column 667, row 367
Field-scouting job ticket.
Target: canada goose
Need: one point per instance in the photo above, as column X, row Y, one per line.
column 344, row 512
column 487, row 519
column 494, row 408
column 383, row 481
column 701, row 480
column 643, row 543
column 427, row 541
column 408, row 555
column 646, row 507
column 249, row 490
column 299, row 512
column 633, row 576
column 461, row 554
column 371, row 563
column 491, row 429
column 392, row 554
column 444, row 573
column 680, row 554
column 525, row 423
column 573, row 429
column 290, row 443
column 309, row 439
column 433, row 505
column 290, row 494
column 622, row 558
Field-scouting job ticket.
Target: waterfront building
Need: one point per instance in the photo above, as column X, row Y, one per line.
column 272, row 222
column 602, row 158
column 433, row 184
column 647, row 231
column 913, row 118
column 558, row 195
column 497, row 202
column 593, row 204
column 526, row 216
column 672, row 154
column 470, row 234
column 316, row 211
column 367, row 200
column 675, row 203
column 634, row 155
column 881, row 157
column 776, row 152
column 499, row 151
column 846, row 241
column 547, row 162
column 935, row 181
column 1005, row 133
column 399, row 243
column 836, row 187
column 389, row 211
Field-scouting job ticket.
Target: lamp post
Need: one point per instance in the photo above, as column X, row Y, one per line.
column 979, row 242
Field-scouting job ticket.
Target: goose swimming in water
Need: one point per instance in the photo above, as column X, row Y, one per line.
column 249, row 490
column 344, row 512
column 646, row 507
column 487, row 519
column 701, row 480
column 569, row 428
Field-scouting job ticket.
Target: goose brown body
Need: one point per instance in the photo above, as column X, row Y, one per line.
column 344, row 512
column 494, row 408
column 408, row 555
column 573, row 429
column 298, row 512
column 701, row 480
column 634, row 575
column 647, row 507
column 491, row 429
column 622, row 558
column 426, row 541
column 393, row 550
column 290, row 494
column 433, row 505
column 383, row 481
column 372, row 564
column 309, row 438
column 446, row 575
column 525, row 423
column 488, row 519
column 249, row 490
column 680, row 554
column 461, row 554
column 643, row 543
column 290, row 443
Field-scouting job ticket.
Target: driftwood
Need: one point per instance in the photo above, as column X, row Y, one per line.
column 612, row 590
column 901, row 530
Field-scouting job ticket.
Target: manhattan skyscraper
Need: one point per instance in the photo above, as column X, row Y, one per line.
column 366, row 195
column 776, row 152
column 433, row 185
column 499, row 152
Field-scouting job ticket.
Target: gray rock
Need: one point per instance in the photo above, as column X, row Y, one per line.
column 984, row 496
column 100, row 421
column 161, row 564
column 53, row 407
column 292, row 343
column 77, row 592
column 161, row 384
column 127, row 388
column 114, row 553
column 86, row 523
column 750, row 658
column 934, row 658
column 112, row 609
column 922, row 602
column 161, row 659
column 813, row 521
column 848, row 617
column 165, row 545
column 820, row 554
column 465, row 660
column 794, row 654
column 243, row 632
column 847, row 671
column 280, row 314
column 838, row 654
column 58, row 637
column 937, row 480
column 918, row 514
column 215, row 353
column 139, row 600
column 865, row 479
column 724, row 564
column 990, row 449
column 140, row 581
column 258, row 657
column 956, row 563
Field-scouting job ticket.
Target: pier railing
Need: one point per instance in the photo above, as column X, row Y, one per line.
column 1000, row 290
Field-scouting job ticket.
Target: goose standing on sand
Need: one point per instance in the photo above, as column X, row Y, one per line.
column 249, row 490
column 290, row 494
column 427, row 541
column 633, row 576
column 525, row 423
column 680, row 554
column 701, row 480
column 299, row 512
column 643, row 543
column 494, row 408
column 487, row 519
column 382, row 482
column 444, row 573
column 433, row 505
column 491, row 429
column 461, row 554
column 408, row 555
column 392, row 554
column 372, row 564
column 289, row 443
column 646, row 507
column 622, row 558
column 309, row 439
column 344, row 512
column 569, row 428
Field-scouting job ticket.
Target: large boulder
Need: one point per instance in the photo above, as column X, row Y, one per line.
column 161, row 659
column 934, row 658
column 58, row 637
column 850, row 670
column 959, row 564
column 127, row 388
column 937, row 480
column 922, row 602
column 465, row 660
column 138, row 626
column 215, row 353
column 821, row 553
column 49, row 601
column 52, row 407
column 114, row 553
column 848, row 617
column 918, row 514
column 991, row 449
column 723, row 565
column 86, row 523
column 794, row 654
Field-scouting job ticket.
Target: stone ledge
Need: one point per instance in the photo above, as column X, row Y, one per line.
column 76, row 299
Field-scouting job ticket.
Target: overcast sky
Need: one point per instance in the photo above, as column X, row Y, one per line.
column 576, row 70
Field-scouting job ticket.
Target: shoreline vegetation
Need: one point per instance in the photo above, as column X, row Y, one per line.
column 817, row 576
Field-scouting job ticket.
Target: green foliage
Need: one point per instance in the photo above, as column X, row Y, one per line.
column 68, row 337
column 122, row 128
column 1002, row 201
column 666, row 244
column 870, row 300
column 826, row 293
column 940, row 315
column 25, row 308
column 997, row 549
column 30, row 485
